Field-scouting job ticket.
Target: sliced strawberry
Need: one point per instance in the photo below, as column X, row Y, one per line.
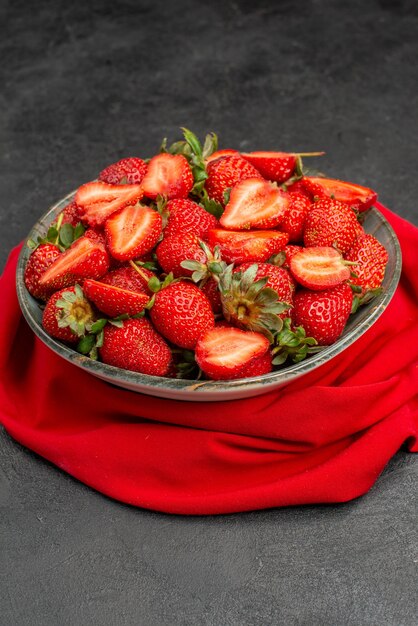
column 133, row 231
column 130, row 170
column 277, row 166
column 225, row 352
column 243, row 246
column 220, row 154
column 114, row 301
column 254, row 203
column 226, row 172
column 358, row 197
column 86, row 258
column 319, row 268
column 98, row 200
column 168, row 175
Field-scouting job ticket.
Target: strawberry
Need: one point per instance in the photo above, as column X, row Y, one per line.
column 358, row 197
column 188, row 217
column 67, row 314
column 133, row 231
column 98, row 200
column 85, row 258
column 168, row 175
column 211, row 291
column 181, row 312
column 127, row 277
column 254, row 203
column 39, row 261
column 277, row 166
column 70, row 214
column 177, row 248
column 224, row 353
column 319, row 267
column 371, row 259
column 130, row 170
column 257, row 367
column 225, row 173
column 220, row 154
column 330, row 223
column 279, row 279
column 243, row 246
column 293, row 222
column 323, row 314
column 136, row 346
column 114, row 301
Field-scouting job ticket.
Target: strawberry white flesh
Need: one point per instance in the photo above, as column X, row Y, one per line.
column 319, row 267
column 98, row 200
column 168, row 175
column 255, row 203
column 357, row 196
column 132, row 232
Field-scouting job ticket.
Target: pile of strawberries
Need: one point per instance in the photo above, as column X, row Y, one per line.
column 206, row 263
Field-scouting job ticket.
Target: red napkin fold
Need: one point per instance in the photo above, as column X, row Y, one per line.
column 324, row 438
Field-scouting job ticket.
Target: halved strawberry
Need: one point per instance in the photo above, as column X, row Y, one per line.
column 224, row 352
column 98, row 200
column 319, row 268
column 133, row 231
column 113, row 300
column 130, row 170
column 226, row 172
column 86, row 258
column 254, row 203
column 168, row 175
column 277, row 166
column 358, row 197
column 220, row 154
column 243, row 246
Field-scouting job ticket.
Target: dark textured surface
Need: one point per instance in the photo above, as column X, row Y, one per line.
column 86, row 83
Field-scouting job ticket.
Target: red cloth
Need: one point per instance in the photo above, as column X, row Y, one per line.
column 324, row 438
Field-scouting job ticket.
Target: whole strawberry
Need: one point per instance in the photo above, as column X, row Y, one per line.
column 323, row 314
column 130, row 170
column 224, row 173
column 186, row 216
column 279, row 279
column 330, row 223
column 67, row 314
column 211, row 291
column 294, row 219
column 70, row 214
column 126, row 277
column 371, row 259
column 181, row 313
column 39, row 261
column 175, row 249
column 136, row 346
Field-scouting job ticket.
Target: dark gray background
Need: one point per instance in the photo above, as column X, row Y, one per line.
column 85, row 83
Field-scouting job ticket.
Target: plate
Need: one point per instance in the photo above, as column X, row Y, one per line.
column 211, row 391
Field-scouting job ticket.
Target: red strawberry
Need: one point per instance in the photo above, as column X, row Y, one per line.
column 225, row 173
column 371, row 258
column 177, row 248
column 113, row 300
column 358, row 197
column 211, row 291
column 85, row 258
column 254, row 203
column 66, row 314
column 136, row 347
column 186, row 216
column 70, row 214
column 126, row 277
column 130, row 170
column 279, row 279
column 181, row 312
column 220, row 154
column 287, row 253
column 98, row 200
column 39, row 261
column 319, row 267
column 224, row 352
column 323, row 314
column 257, row 367
column 277, row 166
column 243, row 246
column 168, row 175
column 330, row 223
column 133, row 231
column 294, row 219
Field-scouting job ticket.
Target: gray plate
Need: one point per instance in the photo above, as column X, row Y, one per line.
column 375, row 224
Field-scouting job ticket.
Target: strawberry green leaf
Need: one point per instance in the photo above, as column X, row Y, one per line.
column 86, row 344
